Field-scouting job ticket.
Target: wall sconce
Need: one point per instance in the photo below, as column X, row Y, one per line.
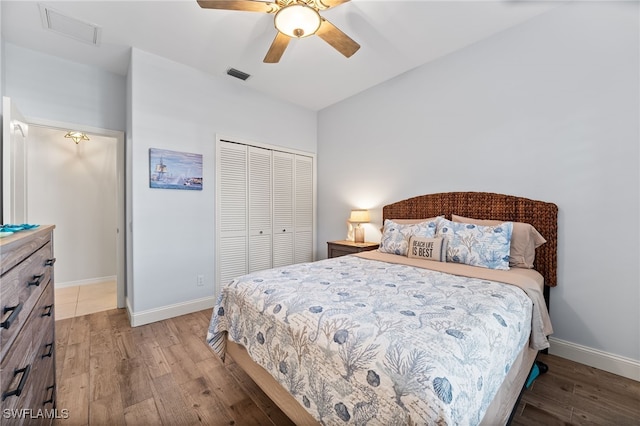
column 76, row 136
column 358, row 217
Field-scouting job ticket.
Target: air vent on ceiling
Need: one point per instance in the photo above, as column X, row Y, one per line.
column 238, row 74
column 57, row 21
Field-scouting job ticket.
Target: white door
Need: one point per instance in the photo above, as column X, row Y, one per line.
column 283, row 213
column 14, row 164
column 259, row 209
column 303, row 241
column 231, row 210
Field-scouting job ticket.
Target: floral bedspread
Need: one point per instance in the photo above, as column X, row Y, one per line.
column 358, row 341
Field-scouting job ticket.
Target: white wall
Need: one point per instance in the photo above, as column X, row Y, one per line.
column 2, row 48
column 178, row 108
column 2, row 62
column 47, row 87
column 74, row 187
column 547, row 110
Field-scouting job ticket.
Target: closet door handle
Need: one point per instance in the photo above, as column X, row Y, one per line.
column 23, row 381
column 260, row 232
column 16, row 310
column 37, row 280
column 50, row 262
column 284, row 230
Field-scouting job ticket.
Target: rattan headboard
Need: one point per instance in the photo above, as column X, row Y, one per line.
column 485, row 205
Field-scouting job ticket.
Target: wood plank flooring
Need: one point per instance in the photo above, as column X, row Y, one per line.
column 575, row 394
column 165, row 374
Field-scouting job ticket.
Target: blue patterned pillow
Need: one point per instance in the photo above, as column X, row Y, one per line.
column 395, row 236
column 477, row 245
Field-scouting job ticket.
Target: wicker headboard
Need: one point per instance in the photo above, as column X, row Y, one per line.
column 485, row 205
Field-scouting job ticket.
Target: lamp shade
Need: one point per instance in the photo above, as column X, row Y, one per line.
column 297, row 20
column 359, row 216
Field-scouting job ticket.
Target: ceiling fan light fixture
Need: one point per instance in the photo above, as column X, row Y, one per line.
column 297, row 20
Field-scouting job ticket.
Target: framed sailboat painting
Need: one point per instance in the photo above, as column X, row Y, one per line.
column 175, row 170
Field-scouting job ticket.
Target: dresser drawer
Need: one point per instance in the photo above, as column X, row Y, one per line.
column 9, row 258
column 43, row 382
column 42, row 324
column 16, row 371
column 21, row 288
column 33, row 348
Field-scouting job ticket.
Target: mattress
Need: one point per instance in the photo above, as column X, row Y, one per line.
column 371, row 339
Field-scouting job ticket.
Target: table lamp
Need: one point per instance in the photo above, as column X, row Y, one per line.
column 358, row 217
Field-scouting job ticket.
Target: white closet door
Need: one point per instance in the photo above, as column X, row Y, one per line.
column 260, row 217
column 283, row 208
column 303, row 240
column 232, row 211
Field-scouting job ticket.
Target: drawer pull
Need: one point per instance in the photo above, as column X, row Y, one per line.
column 48, row 309
column 50, row 399
column 23, row 381
column 50, row 262
column 50, row 353
column 37, row 280
column 16, row 310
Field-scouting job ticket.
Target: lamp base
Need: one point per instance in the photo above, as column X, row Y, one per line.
column 358, row 234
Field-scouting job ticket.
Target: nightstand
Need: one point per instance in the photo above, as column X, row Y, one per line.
column 344, row 247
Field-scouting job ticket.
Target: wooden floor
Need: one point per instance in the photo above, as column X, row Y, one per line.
column 574, row 394
column 164, row 373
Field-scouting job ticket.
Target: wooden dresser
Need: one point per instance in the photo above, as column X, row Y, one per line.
column 27, row 332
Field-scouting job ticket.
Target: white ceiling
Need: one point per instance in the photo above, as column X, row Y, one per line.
column 395, row 36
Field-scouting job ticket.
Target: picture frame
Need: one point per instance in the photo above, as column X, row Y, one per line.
column 175, row 170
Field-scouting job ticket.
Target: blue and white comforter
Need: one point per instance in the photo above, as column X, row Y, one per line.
column 360, row 341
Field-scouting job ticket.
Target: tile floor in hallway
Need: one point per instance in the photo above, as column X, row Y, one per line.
column 84, row 299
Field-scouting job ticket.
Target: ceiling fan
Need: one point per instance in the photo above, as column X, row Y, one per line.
column 293, row 19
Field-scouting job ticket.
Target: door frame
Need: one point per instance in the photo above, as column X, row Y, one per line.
column 14, row 205
column 122, row 257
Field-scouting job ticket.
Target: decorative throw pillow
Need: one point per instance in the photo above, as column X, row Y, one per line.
column 395, row 236
column 428, row 248
column 524, row 240
column 477, row 245
column 412, row 221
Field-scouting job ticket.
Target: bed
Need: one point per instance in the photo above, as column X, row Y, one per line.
column 382, row 338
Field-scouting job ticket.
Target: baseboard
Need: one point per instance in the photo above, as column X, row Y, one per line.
column 85, row 282
column 612, row 363
column 169, row 311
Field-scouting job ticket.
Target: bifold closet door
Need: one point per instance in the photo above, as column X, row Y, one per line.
column 232, row 211
column 303, row 240
column 283, row 208
column 260, row 217
column 264, row 209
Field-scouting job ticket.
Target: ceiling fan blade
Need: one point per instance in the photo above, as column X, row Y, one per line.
column 332, row 3
column 336, row 38
column 244, row 5
column 277, row 48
